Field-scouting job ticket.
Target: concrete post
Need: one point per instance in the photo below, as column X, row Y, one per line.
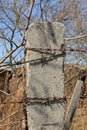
column 44, row 76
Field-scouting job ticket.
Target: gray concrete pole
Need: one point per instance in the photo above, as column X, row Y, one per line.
column 44, row 76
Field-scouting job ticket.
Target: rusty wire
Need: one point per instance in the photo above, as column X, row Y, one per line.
column 53, row 50
column 35, row 100
column 24, row 40
column 44, row 101
column 60, row 50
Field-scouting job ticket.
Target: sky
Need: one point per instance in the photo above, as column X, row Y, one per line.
column 36, row 16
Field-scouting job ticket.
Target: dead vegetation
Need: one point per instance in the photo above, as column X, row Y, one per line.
column 71, row 77
column 12, row 109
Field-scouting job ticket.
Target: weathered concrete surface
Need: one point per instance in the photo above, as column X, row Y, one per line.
column 45, row 78
column 73, row 104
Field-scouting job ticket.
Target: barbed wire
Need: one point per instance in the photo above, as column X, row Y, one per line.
column 59, row 50
column 45, row 50
column 36, row 100
column 42, row 59
column 26, row 101
column 24, row 40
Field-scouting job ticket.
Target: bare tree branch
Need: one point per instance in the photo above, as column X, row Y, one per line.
column 10, row 53
column 76, row 37
column 30, row 12
column 7, row 39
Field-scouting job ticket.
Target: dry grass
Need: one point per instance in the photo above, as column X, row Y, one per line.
column 79, row 121
column 13, row 114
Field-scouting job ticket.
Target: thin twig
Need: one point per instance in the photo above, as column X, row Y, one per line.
column 76, row 37
column 30, row 13
column 12, row 114
column 7, row 39
column 12, row 123
column 5, row 93
column 10, row 53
